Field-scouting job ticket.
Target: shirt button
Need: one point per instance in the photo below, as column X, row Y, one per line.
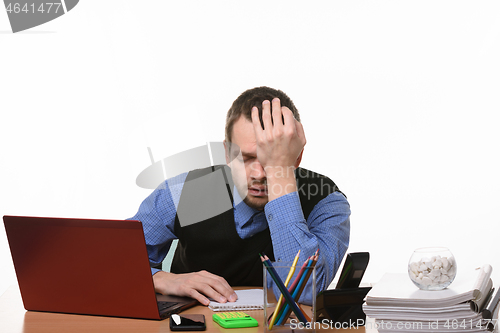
column 270, row 217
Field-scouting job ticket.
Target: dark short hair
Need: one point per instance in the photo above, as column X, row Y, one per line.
column 254, row 97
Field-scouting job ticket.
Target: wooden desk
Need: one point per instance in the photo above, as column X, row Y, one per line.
column 15, row 319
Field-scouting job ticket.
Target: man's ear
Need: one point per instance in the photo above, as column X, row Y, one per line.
column 299, row 159
column 227, row 152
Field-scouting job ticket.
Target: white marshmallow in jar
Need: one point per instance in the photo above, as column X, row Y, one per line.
column 432, row 268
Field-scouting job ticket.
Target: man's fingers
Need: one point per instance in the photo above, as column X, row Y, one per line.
column 220, row 285
column 256, row 121
column 289, row 118
column 208, row 290
column 199, row 297
column 266, row 115
column 199, row 285
column 277, row 115
column 202, row 288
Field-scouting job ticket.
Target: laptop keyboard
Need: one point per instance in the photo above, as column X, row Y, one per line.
column 165, row 305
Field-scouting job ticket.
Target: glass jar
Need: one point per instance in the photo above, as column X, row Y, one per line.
column 432, row 268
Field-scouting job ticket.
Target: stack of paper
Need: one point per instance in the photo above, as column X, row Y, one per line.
column 399, row 306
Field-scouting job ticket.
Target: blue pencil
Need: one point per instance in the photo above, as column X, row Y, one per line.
column 282, row 288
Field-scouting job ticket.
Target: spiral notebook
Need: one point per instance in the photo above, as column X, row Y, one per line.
column 248, row 299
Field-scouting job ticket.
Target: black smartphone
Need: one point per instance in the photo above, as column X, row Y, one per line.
column 187, row 322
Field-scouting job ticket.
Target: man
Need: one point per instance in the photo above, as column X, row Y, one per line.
column 260, row 202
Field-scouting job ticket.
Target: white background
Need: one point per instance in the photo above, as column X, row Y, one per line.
column 399, row 101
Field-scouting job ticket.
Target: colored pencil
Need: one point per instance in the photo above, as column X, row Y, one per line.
column 287, row 281
column 299, row 289
column 282, row 288
column 286, row 311
column 297, row 279
column 279, row 310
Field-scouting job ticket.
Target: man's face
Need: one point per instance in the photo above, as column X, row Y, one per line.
column 241, row 156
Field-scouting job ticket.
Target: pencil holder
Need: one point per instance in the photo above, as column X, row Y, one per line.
column 303, row 283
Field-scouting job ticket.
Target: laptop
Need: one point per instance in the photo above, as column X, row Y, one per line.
column 86, row 266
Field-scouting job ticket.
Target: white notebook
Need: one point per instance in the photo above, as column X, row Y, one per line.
column 248, row 299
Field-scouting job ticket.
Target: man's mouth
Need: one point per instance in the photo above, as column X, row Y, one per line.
column 258, row 191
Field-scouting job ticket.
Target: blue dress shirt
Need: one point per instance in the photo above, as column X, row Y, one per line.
column 326, row 229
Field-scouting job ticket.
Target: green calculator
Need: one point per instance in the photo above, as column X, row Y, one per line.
column 234, row 319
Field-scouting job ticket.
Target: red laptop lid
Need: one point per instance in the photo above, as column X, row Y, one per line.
column 97, row 267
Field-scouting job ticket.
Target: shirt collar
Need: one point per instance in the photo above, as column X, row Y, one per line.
column 242, row 212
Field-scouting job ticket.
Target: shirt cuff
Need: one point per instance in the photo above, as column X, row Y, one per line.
column 154, row 270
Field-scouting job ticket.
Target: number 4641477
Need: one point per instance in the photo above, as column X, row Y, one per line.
column 44, row 7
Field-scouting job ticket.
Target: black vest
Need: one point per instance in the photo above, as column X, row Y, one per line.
column 211, row 242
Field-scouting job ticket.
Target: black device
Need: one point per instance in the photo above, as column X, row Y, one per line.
column 187, row 322
column 344, row 303
column 353, row 270
column 491, row 304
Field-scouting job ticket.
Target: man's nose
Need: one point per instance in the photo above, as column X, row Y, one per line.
column 257, row 171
